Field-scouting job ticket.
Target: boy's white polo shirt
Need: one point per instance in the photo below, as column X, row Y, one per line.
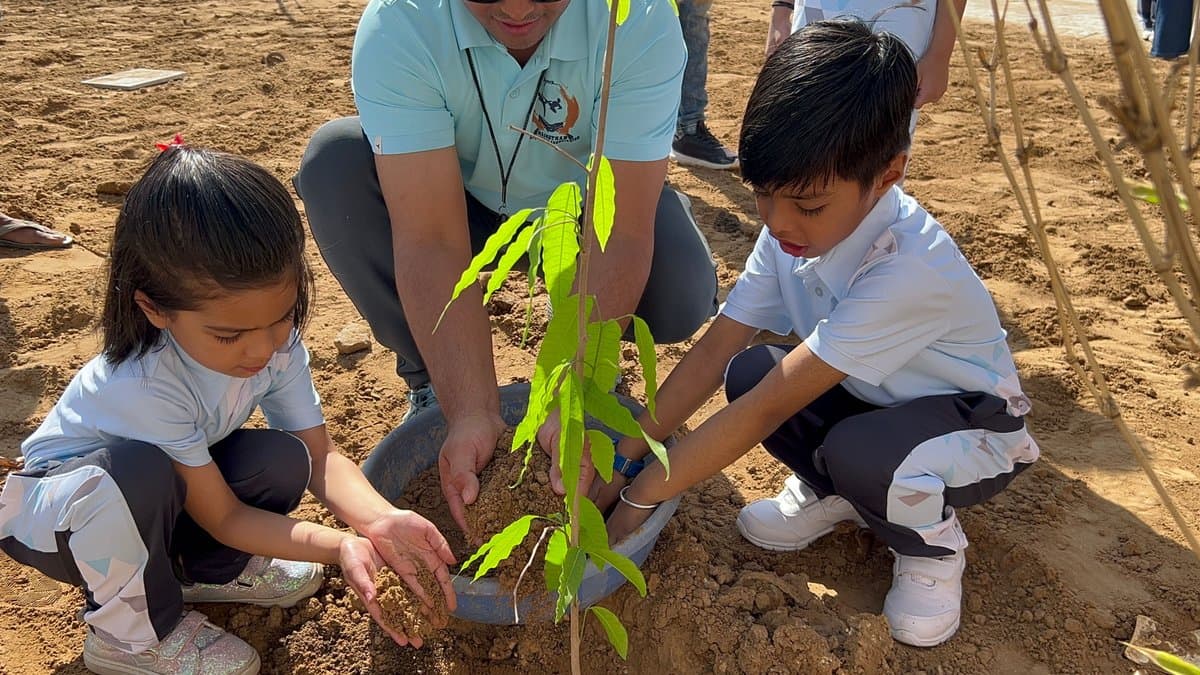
column 895, row 306
column 414, row 90
column 910, row 21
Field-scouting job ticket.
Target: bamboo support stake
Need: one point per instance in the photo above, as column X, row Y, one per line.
column 1056, row 62
column 1092, row 375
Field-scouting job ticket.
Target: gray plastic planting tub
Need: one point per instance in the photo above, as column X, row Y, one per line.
column 408, row 450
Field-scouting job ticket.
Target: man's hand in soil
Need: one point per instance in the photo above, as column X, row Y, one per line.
column 406, row 540
column 469, row 446
column 359, row 562
column 548, row 438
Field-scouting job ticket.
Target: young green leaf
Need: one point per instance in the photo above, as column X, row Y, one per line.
column 601, row 362
column 501, row 545
column 604, row 202
column 603, row 453
column 511, row 255
column 1166, row 660
column 569, row 581
column 556, row 552
column 570, row 436
column 558, row 346
column 560, row 242
column 503, row 235
column 606, row 408
column 593, row 534
column 674, row 6
column 626, row 567
column 649, row 359
column 1149, row 194
column 613, row 628
column 623, row 10
column 537, row 410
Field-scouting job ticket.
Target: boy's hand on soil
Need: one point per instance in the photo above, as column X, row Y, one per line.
column 625, row 519
column 404, row 540
column 548, row 439
column 359, row 562
column 469, row 446
column 604, row 495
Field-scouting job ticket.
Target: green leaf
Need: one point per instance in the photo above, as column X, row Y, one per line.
column 675, row 6
column 501, row 545
column 556, row 552
column 503, row 235
column 569, row 581
column 649, row 360
column 626, row 567
column 593, row 534
column 613, row 628
column 541, row 398
column 623, row 10
column 511, row 255
column 558, row 346
column 1166, row 660
column 560, row 242
column 601, row 364
column 570, row 437
column 604, row 202
column 1149, row 194
column 606, row 408
column 603, row 453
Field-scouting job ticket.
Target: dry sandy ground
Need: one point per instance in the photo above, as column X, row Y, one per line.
column 1060, row 564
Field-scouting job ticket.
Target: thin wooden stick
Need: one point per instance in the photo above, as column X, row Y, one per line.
column 1092, row 376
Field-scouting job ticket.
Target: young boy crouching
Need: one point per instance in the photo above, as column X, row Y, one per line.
column 903, row 401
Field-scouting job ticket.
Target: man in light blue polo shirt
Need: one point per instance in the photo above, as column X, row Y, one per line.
column 902, row 402
column 400, row 197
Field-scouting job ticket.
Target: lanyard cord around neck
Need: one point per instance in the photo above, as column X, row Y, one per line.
column 505, row 173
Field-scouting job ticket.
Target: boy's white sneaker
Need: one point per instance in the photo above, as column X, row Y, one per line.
column 794, row 518
column 266, row 582
column 194, row 647
column 924, row 606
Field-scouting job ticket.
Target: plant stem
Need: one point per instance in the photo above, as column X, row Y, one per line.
column 589, row 235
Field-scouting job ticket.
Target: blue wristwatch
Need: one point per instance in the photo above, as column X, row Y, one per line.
column 627, row 467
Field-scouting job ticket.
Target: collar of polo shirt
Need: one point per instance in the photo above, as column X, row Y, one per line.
column 837, row 267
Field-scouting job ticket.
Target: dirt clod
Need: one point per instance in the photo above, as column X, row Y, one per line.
column 404, row 611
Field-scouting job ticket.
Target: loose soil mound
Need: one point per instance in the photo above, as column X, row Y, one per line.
column 404, row 611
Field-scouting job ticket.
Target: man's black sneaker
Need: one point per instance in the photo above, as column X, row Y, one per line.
column 701, row 148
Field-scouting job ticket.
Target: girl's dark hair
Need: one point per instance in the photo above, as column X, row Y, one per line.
column 198, row 224
column 834, row 100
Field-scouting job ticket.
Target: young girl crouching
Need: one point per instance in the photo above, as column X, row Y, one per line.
column 141, row 485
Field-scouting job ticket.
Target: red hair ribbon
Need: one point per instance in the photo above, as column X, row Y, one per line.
column 176, row 142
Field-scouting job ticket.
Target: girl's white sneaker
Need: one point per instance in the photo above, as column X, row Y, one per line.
column 267, row 582
column 195, row 647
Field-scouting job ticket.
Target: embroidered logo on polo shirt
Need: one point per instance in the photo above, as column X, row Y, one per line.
column 555, row 114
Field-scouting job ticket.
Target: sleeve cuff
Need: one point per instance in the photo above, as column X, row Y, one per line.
column 836, row 359
column 774, row 324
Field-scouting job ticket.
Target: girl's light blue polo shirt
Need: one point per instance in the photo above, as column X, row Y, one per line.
column 895, row 306
column 414, row 90
column 167, row 399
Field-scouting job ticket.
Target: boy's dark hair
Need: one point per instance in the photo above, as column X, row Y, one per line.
column 198, row 224
column 833, row 101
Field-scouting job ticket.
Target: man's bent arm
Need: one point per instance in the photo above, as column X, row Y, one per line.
column 432, row 246
column 618, row 276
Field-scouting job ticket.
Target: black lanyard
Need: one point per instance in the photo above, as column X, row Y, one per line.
column 505, row 173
